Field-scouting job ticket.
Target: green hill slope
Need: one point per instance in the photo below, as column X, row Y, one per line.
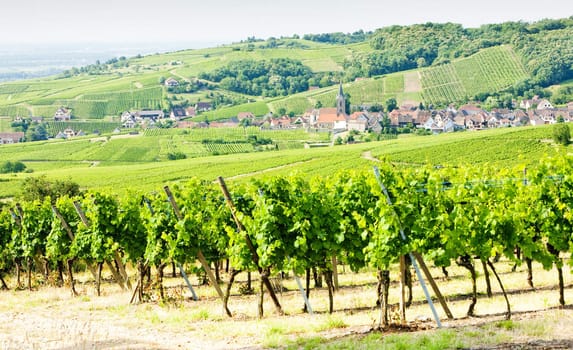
column 139, row 162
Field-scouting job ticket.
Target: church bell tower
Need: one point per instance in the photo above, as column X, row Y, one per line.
column 340, row 101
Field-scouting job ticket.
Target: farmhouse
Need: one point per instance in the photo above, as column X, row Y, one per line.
column 203, row 106
column 170, row 82
column 63, row 114
column 177, row 113
column 11, row 137
column 245, row 115
column 154, row 115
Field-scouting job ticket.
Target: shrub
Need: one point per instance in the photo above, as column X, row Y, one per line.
column 561, row 134
column 12, row 167
column 176, row 155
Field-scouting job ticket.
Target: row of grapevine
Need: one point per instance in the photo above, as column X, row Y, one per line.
column 239, row 134
column 298, row 223
column 228, row 148
column 10, row 89
column 53, row 128
column 493, row 69
column 441, row 85
column 14, row 111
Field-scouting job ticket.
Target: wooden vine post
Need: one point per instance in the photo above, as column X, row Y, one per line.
column 416, row 257
column 402, row 289
column 72, row 238
column 200, row 255
column 264, row 274
column 116, row 274
column 17, row 260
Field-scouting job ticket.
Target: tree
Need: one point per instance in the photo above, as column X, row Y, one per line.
column 561, row 134
column 385, row 124
column 375, row 108
column 36, row 132
column 12, row 167
column 38, row 188
column 391, row 104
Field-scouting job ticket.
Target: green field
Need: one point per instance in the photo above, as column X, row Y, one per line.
column 122, row 163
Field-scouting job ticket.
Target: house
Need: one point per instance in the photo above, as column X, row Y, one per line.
column 11, row 137
column 400, row 118
column 544, row 104
column 203, row 106
column 69, row 133
column 470, row 109
column 570, row 106
column 128, row 120
column 529, row 103
column 170, row 82
column 298, row 122
column 190, row 111
column 439, row 124
column 245, row 115
column 476, row 121
column 177, row 113
column 37, row 120
column 358, row 121
column 374, row 120
column 154, row 115
column 63, row 114
column 283, row 122
column 536, row 120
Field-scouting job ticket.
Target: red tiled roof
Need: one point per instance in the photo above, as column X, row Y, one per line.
column 329, row 115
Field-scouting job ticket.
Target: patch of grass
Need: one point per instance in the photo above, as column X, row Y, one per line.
column 537, row 328
column 331, row 322
column 201, row 315
column 507, row 325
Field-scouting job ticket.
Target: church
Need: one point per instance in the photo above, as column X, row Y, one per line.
column 333, row 118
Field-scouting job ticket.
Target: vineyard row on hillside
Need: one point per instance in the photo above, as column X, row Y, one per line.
column 298, row 223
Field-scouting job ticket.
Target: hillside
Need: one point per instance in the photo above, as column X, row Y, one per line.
column 140, row 162
column 441, row 64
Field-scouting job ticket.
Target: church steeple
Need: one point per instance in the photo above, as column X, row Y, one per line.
column 340, row 101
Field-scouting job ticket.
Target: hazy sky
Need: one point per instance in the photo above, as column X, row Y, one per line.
column 224, row 21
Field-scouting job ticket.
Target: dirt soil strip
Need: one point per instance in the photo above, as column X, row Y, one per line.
column 79, row 331
column 267, row 170
column 412, row 82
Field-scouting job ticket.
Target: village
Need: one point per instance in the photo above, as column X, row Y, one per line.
column 535, row 111
column 407, row 118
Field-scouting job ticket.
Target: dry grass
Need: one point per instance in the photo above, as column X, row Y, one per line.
column 50, row 318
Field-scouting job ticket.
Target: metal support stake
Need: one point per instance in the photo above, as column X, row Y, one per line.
column 403, row 235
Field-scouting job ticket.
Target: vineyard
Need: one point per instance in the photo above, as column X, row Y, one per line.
column 240, row 134
column 88, row 127
column 492, row 69
column 469, row 217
